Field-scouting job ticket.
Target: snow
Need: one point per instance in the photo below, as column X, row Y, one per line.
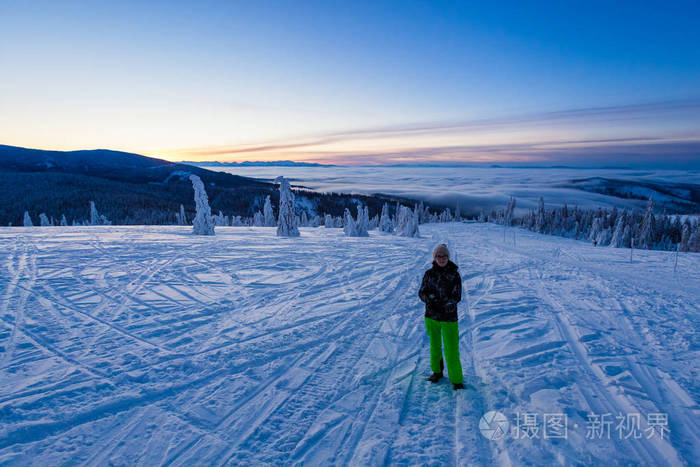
column 151, row 346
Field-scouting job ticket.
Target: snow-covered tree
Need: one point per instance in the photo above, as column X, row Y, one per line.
column 96, row 218
column 287, row 220
column 44, row 220
column 385, row 224
column 304, row 219
column 203, row 223
column 362, row 224
column 268, row 214
column 407, row 225
column 508, row 215
column 328, row 221
column 180, row 217
column 458, row 214
column 258, row 219
column 64, row 222
column 646, row 234
column 539, row 216
column 618, row 239
column 349, row 226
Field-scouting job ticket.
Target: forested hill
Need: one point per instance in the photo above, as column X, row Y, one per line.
column 133, row 189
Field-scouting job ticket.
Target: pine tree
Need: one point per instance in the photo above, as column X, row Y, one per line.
column 287, row 220
column 203, row 223
column 268, row 214
column 539, row 216
column 349, row 226
column 385, row 224
column 646, row 234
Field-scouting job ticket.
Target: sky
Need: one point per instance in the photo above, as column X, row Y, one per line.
column 376, row 82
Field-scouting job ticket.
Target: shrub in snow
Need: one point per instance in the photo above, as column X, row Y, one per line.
column 203, row 223
column 236, row 221
column 287, row 220
column 385, row 224
column 268, row 214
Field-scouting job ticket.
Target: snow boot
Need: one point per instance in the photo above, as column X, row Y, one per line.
column 457, row 386
column 435, row 377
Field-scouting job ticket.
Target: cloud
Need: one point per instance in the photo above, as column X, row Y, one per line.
column 665, row 132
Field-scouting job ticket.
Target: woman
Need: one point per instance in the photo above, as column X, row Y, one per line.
column 441, row 290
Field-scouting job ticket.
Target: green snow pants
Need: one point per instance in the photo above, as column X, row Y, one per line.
column 446, row 331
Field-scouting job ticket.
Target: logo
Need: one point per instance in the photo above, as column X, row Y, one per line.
column 493, row 425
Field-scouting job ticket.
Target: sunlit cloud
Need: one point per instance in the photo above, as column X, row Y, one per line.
column 626, row 133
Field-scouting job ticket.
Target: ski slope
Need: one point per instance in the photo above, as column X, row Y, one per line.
column 151, row 346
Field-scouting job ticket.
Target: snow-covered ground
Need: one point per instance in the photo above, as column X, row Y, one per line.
column 151, row 346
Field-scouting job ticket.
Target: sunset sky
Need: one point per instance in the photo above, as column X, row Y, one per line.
column 578, row 83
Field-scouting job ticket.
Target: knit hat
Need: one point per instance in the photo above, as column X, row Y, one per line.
column 441, row 249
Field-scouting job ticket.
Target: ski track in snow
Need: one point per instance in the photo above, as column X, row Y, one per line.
column 148, row 345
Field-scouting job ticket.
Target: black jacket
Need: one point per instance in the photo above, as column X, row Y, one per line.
column 441, row 290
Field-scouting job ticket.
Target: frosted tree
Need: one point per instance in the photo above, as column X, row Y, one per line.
column 407, row 225
column 349, row 226
column 94, row 215
column 64, row 222
column 646, row 234
column 28, row 220
column 446, row 215
column 236, row 221
column 304, row 219
column 482, row 217
column 268, row 214
column 44, row 220
column 685, row 236
column 328, row 221
column 203, row 223
column 180, row 216
column 287, row 220
column 617, row 239
column 510, row 208
column 362, row 224
column 458, row 214
column 258, row 219
column 374, row 222
column 539, row 216
column 385, row 224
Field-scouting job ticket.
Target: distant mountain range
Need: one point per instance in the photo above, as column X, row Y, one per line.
column 256, row 164
column 134, row 189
